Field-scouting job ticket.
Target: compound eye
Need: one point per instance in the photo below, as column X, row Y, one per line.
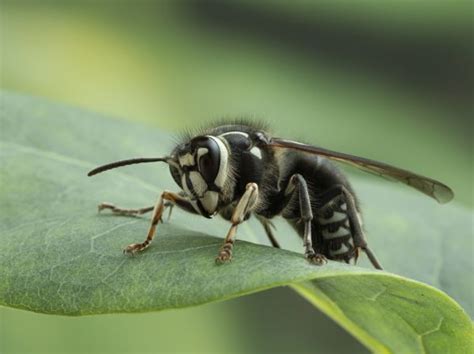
column 208, row 156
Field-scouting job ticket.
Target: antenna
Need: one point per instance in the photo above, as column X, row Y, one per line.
column 121, row 163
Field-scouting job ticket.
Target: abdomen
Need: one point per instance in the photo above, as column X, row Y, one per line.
column 331, row 228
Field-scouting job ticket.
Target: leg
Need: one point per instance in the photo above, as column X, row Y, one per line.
column 268, row 226
column 357, row 233
column 125, row 212
column 298, row 184
column 180, row 201
column 245, row 205
column 166, row 199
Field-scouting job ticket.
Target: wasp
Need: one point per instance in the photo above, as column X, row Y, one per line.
column 238, row 170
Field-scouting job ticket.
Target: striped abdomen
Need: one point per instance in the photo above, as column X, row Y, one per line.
column 333, row 231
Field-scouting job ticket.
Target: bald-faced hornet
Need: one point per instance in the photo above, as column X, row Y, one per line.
column 238, row 170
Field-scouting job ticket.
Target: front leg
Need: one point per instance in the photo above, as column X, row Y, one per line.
column 165, row 200
column 245, row 205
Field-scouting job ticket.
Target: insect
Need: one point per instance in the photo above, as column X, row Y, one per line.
column 238, row 169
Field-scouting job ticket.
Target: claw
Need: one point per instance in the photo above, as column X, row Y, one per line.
column 133, row 248
column 356, row 255
column 103, row 206
column 224, row 257
column 316, row 258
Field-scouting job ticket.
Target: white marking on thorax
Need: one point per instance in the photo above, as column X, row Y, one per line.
column 344, row 206
column 185, row 185
column 337, row 216
column 224, row 155
column 338, row 233
column 256, row 152
column 187, row 160
column 195, row 206
column 235, row 133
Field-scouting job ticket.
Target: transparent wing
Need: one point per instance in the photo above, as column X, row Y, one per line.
column 428, row 186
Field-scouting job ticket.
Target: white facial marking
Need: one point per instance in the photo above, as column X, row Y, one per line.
column 235, row 133
column 202, row 151
column 195, row 206
column 337, row 216
column 338, row 233
column 256, row 152
column 344, row 206
column 199, row 185
column 341, row 250
column 187, row 160
column 209, row 201
column 185, row 185
column 224, row 154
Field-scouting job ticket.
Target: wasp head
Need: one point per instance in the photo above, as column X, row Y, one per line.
column 200, row 168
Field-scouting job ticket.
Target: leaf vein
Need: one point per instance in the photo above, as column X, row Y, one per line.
column 103, row 233
column 103, row 280
column 377, row 295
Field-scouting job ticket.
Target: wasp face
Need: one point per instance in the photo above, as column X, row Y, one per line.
column 201, row 172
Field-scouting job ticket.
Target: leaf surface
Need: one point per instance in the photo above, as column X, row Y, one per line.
column 60, row 257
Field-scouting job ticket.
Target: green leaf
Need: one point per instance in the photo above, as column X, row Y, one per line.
column 390, row 314
column 60, row 257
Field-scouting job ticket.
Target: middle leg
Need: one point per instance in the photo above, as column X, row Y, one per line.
column 269, row 227
column 179, row 200
column 125, row 212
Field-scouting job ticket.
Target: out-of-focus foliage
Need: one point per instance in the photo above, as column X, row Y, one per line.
column 373, row 80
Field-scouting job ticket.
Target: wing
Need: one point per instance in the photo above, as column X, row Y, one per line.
column 428, row 186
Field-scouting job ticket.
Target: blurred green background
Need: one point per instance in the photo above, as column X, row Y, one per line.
column 387, row 80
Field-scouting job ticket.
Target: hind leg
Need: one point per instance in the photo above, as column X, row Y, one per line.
column 297, row 185
column 360, row 241
column 341, row 204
